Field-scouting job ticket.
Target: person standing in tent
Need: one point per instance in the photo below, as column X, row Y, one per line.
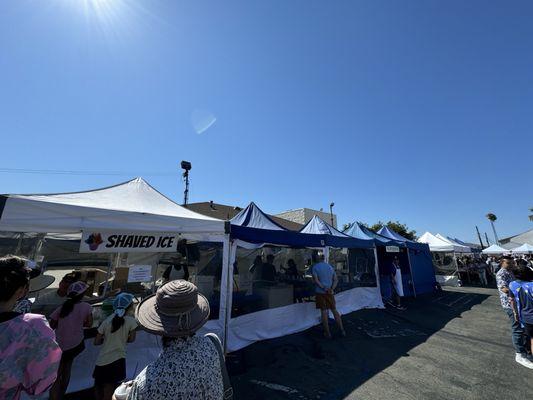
column 396, row 284
column 325, row 283
column 504, row 277
column 113, row 334
column 178, row 270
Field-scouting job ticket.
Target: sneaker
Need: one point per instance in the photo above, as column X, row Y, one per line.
column 522, row 360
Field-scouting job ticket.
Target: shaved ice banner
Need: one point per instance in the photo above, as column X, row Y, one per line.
column 121, row 242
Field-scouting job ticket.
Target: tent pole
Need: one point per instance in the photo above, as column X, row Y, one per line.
column 456, row 266
column 376, row 271
column 326, row 254
column 226, row 289
column 411, row 270
column 19, row 244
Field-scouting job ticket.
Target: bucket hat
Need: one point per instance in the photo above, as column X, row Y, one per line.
column 77, row 288
column 176, row 310
column 121, row 303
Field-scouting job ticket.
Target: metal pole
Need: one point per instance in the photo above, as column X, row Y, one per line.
column 487, row 239
column 331, row 214
column 186, row 192
column 494, row 230
column 411, row 270
column 479, row 237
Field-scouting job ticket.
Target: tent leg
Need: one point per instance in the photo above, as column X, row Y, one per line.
column 411, row 270
column 226, row 290
column 376, row 271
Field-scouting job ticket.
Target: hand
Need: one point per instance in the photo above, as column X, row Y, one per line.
column 329, row 291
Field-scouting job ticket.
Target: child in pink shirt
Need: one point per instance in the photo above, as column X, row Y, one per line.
column 69, row 321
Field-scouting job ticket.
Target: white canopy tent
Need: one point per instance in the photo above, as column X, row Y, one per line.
column 523, row 249
column 458, row 247
column 132, row 207
column 438, row 243
column 495, row 249
column 446, row 273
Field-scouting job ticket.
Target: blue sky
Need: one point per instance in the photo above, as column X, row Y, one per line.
column 417, row 111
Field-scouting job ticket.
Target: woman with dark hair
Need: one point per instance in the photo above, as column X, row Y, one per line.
column 113, row 334
column 69, row 321
column 29, row 355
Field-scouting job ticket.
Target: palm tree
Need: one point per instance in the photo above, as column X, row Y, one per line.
column 492, row 217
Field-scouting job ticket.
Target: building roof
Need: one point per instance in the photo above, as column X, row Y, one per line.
column 225, row 212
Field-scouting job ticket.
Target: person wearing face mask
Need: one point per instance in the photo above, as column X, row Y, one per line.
column 29, row 354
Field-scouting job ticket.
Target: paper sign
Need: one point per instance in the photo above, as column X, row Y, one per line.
column 392, row 249
column 139, row 273
column 127, row 242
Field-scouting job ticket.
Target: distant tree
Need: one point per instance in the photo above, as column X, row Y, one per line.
column 492, row 218
column 396, row 226
column 347, row 226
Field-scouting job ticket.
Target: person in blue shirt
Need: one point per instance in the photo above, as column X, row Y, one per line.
column 326, row 281
column 521, row 299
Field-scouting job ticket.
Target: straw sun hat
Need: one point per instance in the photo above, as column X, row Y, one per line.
column 176, row 310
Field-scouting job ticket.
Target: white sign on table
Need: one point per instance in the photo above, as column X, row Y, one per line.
column 392, row 249
column 139, row 273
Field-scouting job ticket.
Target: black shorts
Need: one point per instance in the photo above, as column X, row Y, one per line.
column 528, row 328
column 110, row 373
column 71, row 354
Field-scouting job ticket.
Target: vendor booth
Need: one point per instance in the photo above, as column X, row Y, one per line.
column 116, row 238
column 420, row 262
column 386, row 250
column 444, row 254
column 270, row 278
column 523, row 249
column 495, row 250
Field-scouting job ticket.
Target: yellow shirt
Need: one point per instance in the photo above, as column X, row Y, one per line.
column 114, row 346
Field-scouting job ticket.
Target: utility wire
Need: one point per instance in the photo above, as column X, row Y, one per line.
column 74, row 172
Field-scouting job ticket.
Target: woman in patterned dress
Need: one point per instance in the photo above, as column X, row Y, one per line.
column 29, row 354
column 189, row 366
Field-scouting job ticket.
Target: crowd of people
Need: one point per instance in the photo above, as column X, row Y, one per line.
column 514, row 279
column 37, row 353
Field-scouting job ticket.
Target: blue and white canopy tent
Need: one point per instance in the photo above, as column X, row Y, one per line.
column 252, row 229
column 357, row 256
column 420, row 261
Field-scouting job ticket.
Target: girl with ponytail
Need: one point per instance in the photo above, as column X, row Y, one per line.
column 69, row 320
column 113, row 334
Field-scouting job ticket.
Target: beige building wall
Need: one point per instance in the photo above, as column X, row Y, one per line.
column 304, row 215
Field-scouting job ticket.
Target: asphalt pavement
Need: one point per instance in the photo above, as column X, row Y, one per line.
column 451, row 345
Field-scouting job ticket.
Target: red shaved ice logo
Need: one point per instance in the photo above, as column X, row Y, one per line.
column 94, row 240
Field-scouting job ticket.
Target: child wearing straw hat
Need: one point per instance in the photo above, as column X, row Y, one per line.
column 113, row 334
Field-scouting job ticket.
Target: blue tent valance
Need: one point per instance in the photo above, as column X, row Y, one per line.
column 254, row 226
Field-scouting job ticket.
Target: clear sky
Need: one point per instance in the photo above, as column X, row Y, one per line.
column 420, row 111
